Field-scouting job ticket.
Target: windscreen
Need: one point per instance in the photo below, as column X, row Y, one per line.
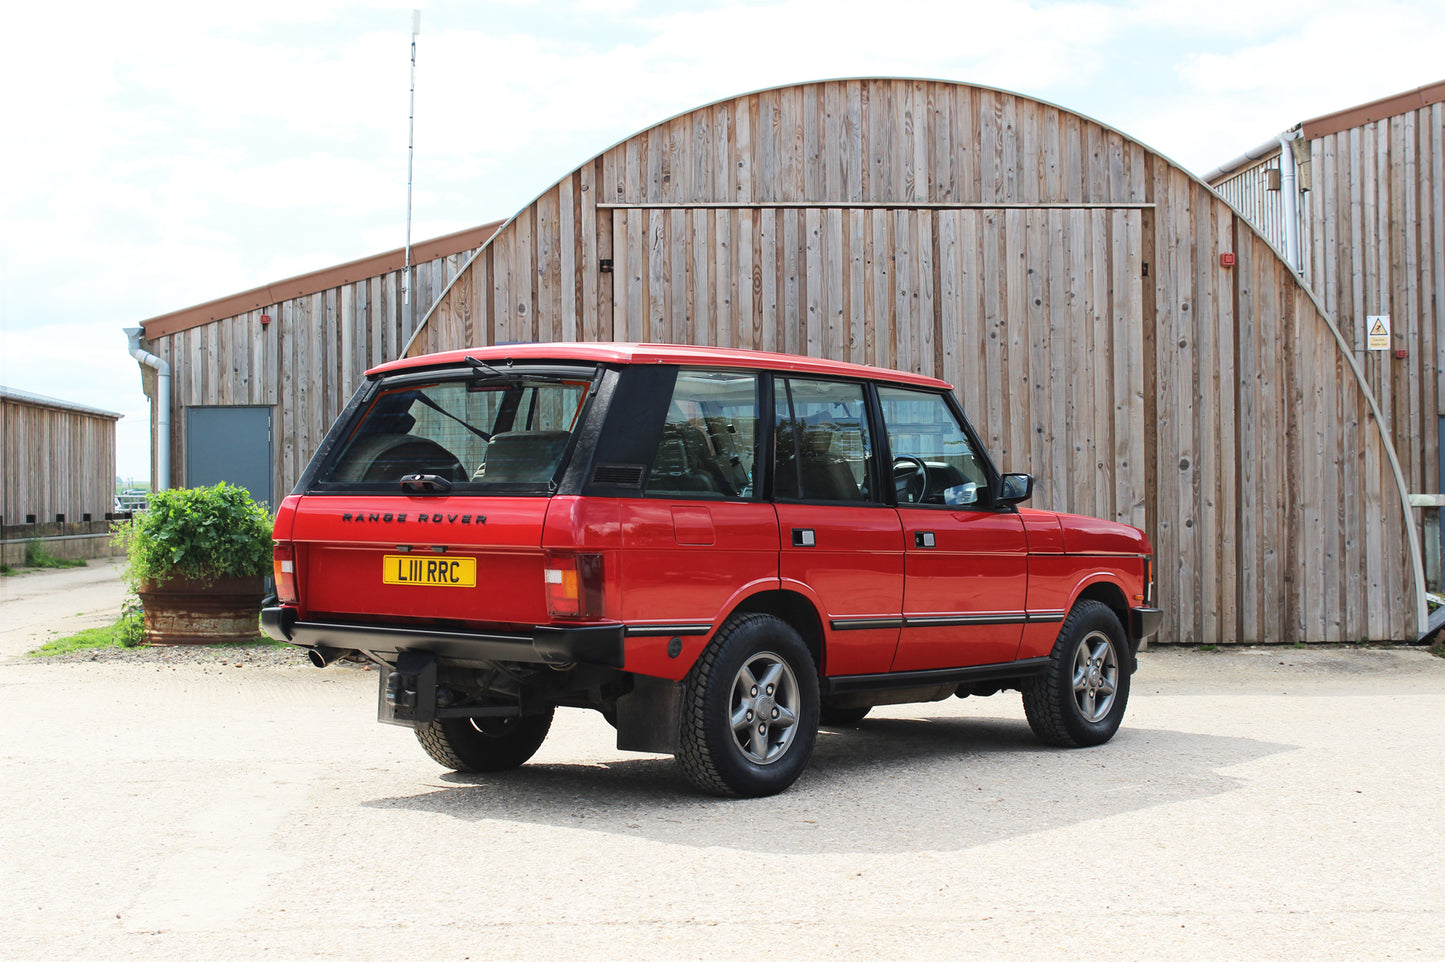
column 503, row 434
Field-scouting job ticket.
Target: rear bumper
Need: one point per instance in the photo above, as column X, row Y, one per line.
column 545, row 644
column 1144, row 622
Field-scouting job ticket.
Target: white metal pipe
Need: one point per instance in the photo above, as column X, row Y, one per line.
column 1289, row 195
column 161, row 406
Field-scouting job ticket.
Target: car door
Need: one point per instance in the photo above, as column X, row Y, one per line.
column 966, row 560
column 842, row 544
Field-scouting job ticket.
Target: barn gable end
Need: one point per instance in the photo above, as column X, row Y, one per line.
column 1066, row 278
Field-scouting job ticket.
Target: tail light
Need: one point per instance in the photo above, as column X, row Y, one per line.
column 283, row 564
column 574, row 585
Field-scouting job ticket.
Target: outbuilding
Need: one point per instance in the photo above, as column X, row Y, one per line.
column 57, row 476
column 1355, row 200
column 1113, row 326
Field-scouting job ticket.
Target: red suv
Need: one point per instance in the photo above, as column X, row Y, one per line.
column 718, row 550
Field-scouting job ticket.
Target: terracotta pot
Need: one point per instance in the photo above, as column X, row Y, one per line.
column 192, row 611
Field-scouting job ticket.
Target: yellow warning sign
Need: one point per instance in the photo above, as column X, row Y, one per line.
column 1378, row 326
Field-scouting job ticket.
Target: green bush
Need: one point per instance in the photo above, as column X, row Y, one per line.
column 203, row 533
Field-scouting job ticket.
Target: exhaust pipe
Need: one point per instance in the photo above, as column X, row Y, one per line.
column 321, row 657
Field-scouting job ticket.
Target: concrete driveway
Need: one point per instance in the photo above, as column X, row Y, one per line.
column 1257, row 804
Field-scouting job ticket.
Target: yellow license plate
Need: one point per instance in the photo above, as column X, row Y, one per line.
column 433, row 571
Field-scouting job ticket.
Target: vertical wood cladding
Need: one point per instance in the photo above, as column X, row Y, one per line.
column 1066, row 279
column 305, row 363
column 55, row 460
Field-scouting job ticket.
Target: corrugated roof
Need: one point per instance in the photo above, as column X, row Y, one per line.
column 40, row 400
column 316, row 281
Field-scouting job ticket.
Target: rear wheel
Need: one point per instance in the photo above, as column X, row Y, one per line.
column 484, row 744
column 1080, row 700
column 750, row 710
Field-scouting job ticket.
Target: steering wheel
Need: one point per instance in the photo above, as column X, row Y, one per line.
column 912, row 487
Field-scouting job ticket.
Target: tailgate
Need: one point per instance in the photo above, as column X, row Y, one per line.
column 471, row 559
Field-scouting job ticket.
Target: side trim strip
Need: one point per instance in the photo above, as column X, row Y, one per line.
column 994, row 618
column 652, row 631
column 859, row 624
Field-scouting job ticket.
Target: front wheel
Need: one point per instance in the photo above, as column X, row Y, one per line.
column 750, row 710
column 1080, row 699
column 484, row 744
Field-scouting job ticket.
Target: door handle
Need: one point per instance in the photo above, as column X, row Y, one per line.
column 923, row 539
column 804, row 538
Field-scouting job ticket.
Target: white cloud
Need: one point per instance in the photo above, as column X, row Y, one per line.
column 162, row 154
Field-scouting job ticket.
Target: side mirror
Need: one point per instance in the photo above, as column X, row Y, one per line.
column 1014, row 488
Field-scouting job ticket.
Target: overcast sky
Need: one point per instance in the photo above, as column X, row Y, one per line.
column 158, row 155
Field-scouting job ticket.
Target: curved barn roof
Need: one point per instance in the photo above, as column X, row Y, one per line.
column 1112, row 325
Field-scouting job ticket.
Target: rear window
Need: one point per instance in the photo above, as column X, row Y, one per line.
column 494, row 435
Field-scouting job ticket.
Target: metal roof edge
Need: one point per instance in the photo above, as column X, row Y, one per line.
column 1333, row 123
column 40, row 400
column 313, row 282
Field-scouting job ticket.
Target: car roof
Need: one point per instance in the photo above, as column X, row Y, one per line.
column 639, row 353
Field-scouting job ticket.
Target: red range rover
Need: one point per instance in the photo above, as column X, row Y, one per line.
column 717, row 550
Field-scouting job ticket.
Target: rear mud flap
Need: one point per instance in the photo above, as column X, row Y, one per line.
column 650, row 716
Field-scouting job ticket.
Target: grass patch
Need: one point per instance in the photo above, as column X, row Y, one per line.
column 1206, row 648
column 6, row 570
column 37, row 557
column 126, row 632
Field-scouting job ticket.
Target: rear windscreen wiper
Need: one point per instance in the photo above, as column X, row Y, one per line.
column 483, row 369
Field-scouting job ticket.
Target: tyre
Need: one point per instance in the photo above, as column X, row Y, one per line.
column 484, row 744
column 750, row 710
column 1080, row 699
column 841, row 717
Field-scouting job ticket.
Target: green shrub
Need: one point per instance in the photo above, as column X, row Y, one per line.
column 203, row 533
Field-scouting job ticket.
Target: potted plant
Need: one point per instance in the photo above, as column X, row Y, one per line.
column 197, row 558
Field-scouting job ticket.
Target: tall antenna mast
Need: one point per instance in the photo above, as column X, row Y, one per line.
column 406, row 276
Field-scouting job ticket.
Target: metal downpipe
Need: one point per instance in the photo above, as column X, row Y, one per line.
column 1289, row 199
column 161, row 406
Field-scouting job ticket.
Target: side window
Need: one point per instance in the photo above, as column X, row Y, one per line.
column 822, row 450
column 710, row 437
column 934, row 461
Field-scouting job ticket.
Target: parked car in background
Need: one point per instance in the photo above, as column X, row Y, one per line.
column 717, row 550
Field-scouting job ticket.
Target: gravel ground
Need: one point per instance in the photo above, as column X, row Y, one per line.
column 161, row 803
column 239, row 656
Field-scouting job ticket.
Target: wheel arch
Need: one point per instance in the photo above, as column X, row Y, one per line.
column 1107, row 593
column 793, row 608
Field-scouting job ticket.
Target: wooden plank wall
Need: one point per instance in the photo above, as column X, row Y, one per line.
column 1376, row 235
column 1064, row 277
column 55, row 461
column 305, row 364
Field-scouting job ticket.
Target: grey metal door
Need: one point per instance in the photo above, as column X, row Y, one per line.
column 230, row 444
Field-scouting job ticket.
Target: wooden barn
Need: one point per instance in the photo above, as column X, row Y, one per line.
column 57, row 476
column 1360, row 195
column 1113, row 326
column 256, row 378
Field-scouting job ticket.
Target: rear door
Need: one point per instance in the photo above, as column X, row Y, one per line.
column 842, row 545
